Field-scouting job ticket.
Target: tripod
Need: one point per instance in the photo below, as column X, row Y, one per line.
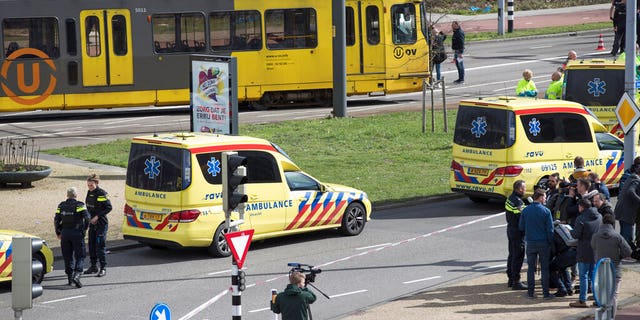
column 309, row 306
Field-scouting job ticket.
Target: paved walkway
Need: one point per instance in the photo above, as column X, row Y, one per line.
column 526, row 19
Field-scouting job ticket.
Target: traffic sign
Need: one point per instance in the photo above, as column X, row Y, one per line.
column 160, row 311
column 637, row 84
column 627, row 112
column 239, row 244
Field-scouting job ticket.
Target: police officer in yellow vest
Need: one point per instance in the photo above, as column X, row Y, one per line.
column 526, row 87
column 554, row 91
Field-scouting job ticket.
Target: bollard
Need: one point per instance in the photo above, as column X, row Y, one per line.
column 274, row 293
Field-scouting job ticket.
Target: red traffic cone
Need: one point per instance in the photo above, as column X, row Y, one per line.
column 600, row 44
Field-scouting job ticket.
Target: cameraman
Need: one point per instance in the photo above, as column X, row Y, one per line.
column 294, row 301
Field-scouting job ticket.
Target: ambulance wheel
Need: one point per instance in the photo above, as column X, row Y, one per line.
column 353, row 219
column 219, row 246
column 478, row 199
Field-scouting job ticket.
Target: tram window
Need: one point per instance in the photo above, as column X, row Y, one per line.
column 92, row 27
column 350, row 26
column 178, row 32
column 37, row 33
column 373, row 25
column 119, row 34
column 291, row 28
column 235, row 30
column 404, row 23
column 72, row 71
column 72, row 39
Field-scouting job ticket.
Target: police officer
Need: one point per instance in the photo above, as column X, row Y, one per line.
column 513, row 206
column 71, row 222
column 99, row 206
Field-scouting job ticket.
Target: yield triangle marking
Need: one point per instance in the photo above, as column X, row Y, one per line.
column 239, row 242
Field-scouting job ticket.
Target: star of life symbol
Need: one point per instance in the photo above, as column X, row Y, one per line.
column 534, row 127
column 214, row 166
column 152, row 167
column 596, row 87
column 479, row 127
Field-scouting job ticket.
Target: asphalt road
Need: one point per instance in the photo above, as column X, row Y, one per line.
column 401, row 251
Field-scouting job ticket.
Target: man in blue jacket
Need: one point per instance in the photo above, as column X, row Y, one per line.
column 537, row 225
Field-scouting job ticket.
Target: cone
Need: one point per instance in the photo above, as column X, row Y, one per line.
column 600, row 44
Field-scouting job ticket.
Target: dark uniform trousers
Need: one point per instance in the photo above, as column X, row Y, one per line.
column 516, row 252
column 515, row 237
column 97, row 250
column 98, row 205
column 73, row 250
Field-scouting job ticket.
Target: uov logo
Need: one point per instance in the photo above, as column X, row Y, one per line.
column 17, row 71
column 399, row 52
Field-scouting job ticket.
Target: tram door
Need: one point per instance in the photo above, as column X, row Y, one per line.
column 107, row 55
column 365, row 37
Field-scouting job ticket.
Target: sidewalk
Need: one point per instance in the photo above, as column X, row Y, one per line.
column 487, row 297
column 526, row 19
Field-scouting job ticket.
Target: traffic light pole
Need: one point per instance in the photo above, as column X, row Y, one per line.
column 630, row 137
column 234, row 176
column 23, row 290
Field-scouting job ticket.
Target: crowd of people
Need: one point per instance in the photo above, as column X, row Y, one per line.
column 73, row 218
column 537, row 228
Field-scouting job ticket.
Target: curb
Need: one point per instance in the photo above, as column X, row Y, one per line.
column 120, row 245
column 418, row 201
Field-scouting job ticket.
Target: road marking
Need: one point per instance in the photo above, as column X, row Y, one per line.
column 64, row 299
column 498, row 226
column 259, row 310
column 204, row 305
column 540, row 47
column 374, row 246
column 423, row 279
column 491, row 267
column 347, row 293
column 129, row 120
column 218, row 272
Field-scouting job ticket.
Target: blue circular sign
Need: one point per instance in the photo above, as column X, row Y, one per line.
column 160, row 311
column 604, row 283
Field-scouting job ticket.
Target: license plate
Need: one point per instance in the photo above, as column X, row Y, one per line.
column 478, row 171
column 151, row 216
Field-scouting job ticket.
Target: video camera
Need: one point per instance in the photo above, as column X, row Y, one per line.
column 308, row 271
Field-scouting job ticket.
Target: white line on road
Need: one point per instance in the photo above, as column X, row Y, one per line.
column 142, row 119
column 540, row 47
column 498, row 226
column 423, row 279
column 347, row 293
column 374, row 246
column 64, row 299
column 218, row 272
column 204, row 305
column 259, row 310
column 491, row 267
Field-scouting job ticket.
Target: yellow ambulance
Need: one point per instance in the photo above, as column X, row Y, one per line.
column 500, row 140
column 597, row 84
column 173, row 193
